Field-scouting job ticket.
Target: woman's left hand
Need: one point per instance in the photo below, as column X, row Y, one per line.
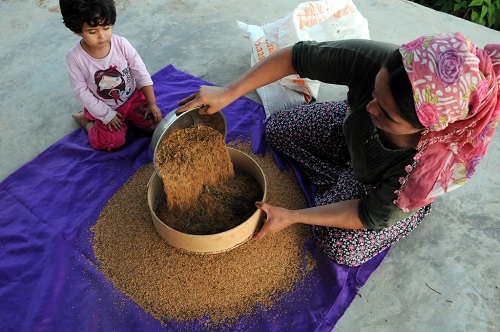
column 276, row 219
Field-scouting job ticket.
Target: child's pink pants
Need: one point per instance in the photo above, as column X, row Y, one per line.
column 101, row 138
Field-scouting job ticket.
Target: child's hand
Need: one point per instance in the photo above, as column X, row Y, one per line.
column 153, row 111
column 116, row 123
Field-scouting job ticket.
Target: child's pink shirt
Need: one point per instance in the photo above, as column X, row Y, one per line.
column 103, row 85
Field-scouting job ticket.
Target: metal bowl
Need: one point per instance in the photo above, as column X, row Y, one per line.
column 172, row 122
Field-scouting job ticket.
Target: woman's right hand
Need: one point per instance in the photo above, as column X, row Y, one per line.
column 211, row 98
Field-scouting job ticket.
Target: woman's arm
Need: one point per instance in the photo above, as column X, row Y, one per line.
column 271, row 69
column 342, row 214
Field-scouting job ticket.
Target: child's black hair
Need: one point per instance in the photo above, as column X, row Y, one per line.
column 92, row 12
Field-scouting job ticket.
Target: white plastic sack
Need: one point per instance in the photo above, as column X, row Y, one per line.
column 313, row 20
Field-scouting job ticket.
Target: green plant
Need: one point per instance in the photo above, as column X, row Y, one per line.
column 483, row 12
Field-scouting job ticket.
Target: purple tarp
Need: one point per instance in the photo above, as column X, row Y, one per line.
column 47, row 277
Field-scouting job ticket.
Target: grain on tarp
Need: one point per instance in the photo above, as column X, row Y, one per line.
column 174, row 285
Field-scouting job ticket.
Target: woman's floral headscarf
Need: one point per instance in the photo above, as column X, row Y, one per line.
column 456, row 94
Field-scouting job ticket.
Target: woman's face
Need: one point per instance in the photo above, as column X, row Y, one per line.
column 384, row 112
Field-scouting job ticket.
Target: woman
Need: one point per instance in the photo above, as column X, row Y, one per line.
column 417, row 120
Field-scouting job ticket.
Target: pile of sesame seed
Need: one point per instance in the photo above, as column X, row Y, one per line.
column 174, row 285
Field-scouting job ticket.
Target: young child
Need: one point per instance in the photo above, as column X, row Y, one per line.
column 107, row 75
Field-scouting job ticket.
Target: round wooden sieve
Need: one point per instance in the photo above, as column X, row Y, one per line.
column 212, row 243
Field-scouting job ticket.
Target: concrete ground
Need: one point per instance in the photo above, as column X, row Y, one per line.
column 443, row 277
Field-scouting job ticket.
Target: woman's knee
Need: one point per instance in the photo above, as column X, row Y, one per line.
column 271, row 132
column 277, row 130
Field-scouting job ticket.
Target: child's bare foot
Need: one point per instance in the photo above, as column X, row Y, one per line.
column 83, row 121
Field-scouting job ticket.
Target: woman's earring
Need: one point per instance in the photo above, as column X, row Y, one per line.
column 425, row 132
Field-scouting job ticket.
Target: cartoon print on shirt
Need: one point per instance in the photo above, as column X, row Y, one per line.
column 111, row 84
